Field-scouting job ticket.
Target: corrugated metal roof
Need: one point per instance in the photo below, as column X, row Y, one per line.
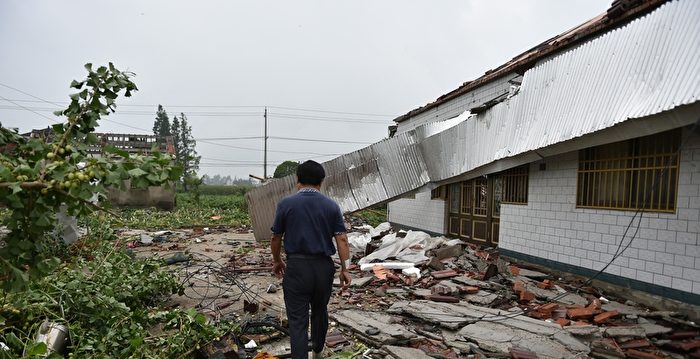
column 646, row 67
column 615, row 16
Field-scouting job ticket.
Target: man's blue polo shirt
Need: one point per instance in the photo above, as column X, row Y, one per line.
column 308, row 220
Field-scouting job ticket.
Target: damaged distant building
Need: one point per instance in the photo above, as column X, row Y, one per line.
column 162, row 197
column 581, row 152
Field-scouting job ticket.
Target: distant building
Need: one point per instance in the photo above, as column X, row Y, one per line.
column 131, row 143
column 161, row 197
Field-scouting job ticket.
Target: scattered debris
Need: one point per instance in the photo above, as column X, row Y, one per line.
column 417, row 296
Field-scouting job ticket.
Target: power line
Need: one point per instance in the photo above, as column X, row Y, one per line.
column 259, row 150
column 326, row 111
column 30, row 110
column 195, row 114
column 317, row 140
column 219, row 106
column 228, row 138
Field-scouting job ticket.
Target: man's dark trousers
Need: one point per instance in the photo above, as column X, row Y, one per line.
column 308, row 282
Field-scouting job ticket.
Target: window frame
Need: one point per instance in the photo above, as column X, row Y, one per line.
column 626, row 177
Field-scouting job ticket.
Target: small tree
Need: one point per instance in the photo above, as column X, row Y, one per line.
column 286, row 168
column 37, row 177
column 185, row 152
column 161, row 126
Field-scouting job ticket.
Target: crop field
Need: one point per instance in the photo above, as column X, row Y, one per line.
column 210, row 210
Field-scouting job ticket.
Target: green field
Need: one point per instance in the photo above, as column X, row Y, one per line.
column 211, row 210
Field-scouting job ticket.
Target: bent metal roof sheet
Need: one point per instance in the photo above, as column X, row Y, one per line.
column 645, row 67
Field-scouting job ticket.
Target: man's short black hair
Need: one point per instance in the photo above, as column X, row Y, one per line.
column 310, row 173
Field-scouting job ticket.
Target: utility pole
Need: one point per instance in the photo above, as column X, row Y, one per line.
column 265, row 155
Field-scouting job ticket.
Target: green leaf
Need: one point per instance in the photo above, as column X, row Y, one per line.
column 15, row 187
column 74, row 96
column 58, row 113
column 114, row 150
column 37, row 349
column 77, row 85
column 13, row 341
column 88, row 67
column 136, row 172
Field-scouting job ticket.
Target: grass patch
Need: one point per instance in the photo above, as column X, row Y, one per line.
column 211, row 210
column 373, row 216
column 220, row 190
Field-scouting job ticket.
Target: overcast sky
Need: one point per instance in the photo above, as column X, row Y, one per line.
column 327, row 70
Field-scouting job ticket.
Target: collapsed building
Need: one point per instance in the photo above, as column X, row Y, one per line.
column 581, row 154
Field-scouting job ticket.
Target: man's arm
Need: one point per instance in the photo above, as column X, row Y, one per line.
column 341, row 241
column 276, row 245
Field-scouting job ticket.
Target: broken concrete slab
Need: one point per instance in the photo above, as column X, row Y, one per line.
column 471, row 282
column 453, row 316
column 583, row 330
column 630, row 331
column 482, row 298
column 374, row 327
column 498, row 338
column 421, row 292
column 452, row 339
column 623, row 309
column 396, row 291
column 606, row 348
column 532, row 274
column 404, row 352
column 450, row 251
column 653, row 329
column 361, row 282
column 445, row 287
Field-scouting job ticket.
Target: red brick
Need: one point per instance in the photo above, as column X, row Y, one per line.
column 526, row 296
column 443, row 298
column 549, row 306
column 470, row 290
column 684, row 335
column 545, row 284
column 580, row 313
column 515, row 270
column 518, row 287
column 604, row 317
column 595, row 304
column 334, row 338
column 638, row 354
column 521, row 353
column 686, row 346
column 580, row 322
column 447, row 273
column 634, row 344
column 562, row 322
column 559, row 313
column 540, row 314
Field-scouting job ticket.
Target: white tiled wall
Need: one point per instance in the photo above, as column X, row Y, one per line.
column 422, row 212
column 664, row 252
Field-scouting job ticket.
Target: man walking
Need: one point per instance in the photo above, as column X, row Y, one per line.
column 308, row 221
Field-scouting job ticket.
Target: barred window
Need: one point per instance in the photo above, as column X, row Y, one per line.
column 515, row 185
column 438, row 193
column 640, row 173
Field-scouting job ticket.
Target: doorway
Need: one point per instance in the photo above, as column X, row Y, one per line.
column 473, row 210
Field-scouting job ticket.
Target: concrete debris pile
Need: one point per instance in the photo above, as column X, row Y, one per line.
column 414, row 295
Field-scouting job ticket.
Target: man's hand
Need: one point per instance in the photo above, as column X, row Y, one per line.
column 278, row 268
column 345, row 278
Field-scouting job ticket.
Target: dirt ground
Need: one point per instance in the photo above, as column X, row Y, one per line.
column 464, row 303
column 248, row 277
